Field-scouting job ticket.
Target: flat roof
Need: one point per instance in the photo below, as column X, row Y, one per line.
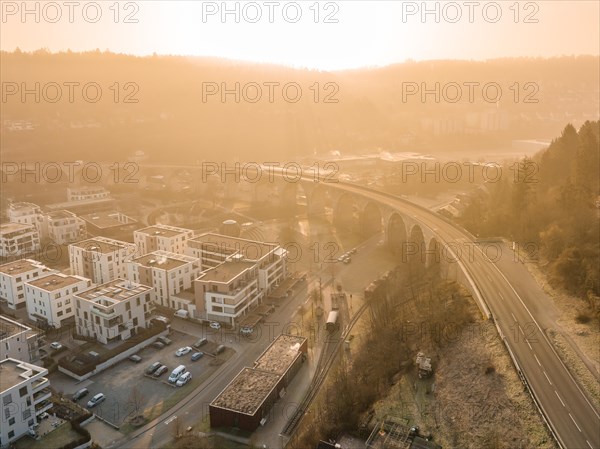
column 88, row 188
column 280, row 354
column 23, row 205
column 161, row 261
column 250, row 249
column 77, row 203
column 13, row 372
column 8, row 327
column 55, row 281
column 7, row 228
column 163, row 231
column 115, row 290
column 225, row 272
column 20, row 266
column 102, row 245
column 247, row 391
column 60, row 214
column 107, row 219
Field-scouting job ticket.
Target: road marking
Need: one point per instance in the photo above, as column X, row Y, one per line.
column 513, row 315
column 547, row 378
column 171, row 419
column 589, row 444
column 521, row 329
column 536, row 359
column 574, row 422
column 561, row 401
column 527, row 341
column 488, row 276
column 502, row 297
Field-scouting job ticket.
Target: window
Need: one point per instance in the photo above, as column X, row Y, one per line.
column 137, row 301
column 59, row 304
column 68, row 301
column 68, row 310
column 22, row 391
column 11, row 422
column 7, row 399
column 11, row 434
column 60, row 313
column 26, row 414
column 217, row 309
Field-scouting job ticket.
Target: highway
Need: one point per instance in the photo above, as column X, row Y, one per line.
column 575, row 421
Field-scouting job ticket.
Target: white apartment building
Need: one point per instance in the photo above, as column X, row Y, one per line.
column 17, row 239
column 114, row 310
column 49, row 299
column 13, row 276
column 83, row 193
column 25, row 394
column 162, row 238
column 100, row 259
column 227, row 292
column 168, row 273
column 17, row 341
column 27, row 213
column 269, row 258
column 65, row 227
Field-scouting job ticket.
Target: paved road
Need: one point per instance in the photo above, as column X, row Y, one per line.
column 573, row 418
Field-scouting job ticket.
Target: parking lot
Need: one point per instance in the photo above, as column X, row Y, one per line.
column 154, row 395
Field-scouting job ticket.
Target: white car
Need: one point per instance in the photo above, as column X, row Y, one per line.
column 55, row 345
column 215, row 325
column 247, row 330
column 97, row 399
column 183, row 351
column 184, row 379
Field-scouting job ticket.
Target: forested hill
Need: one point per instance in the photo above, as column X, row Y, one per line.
column 164, row 113
column 552, row 202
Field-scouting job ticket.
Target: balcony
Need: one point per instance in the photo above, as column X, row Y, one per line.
column 42, row 395
column 108, row 314
column 43, row 406
column 40, row 384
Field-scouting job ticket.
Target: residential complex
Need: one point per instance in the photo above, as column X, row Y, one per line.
column 17, row 239
column 110, row 223
column 25, row 394
column 27, row 213
column 168, row 273
column 49, row 299
column 162, row 237
column 83, row 193
column 64, row 227
column 13, row 276
column 100, row 259
column 17, row 341
column 114, row 310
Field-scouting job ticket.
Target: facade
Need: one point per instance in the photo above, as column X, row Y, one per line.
column 25, row 394
column 49, row 299
column 100, row 259
column 17, row 341
column 268, row 258
column 227, row 292
column 65, row 227
column 27, row 213
column 13, row 276
column 246, row 402
column 169, row 274
column 162, row 238
column 84, row 193
column 17, row 239
column 114, row 310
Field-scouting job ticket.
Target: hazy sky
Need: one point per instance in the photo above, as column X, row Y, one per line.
column 347, row 34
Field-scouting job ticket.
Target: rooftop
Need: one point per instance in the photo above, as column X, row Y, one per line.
column 107, row 219
column 115, row 290
column 22, row 206
column 163, row 231
column 247, row 391
column 10, row 227
column 163, row 260
column 280, row 354
column 60, row 214
column 226, row 272
column 20, row 266
column 55, row 281
column 8, row 327
column 250, row 249
column 13, row 372
column 87, row 189
column 102, row 245
column 74, row 204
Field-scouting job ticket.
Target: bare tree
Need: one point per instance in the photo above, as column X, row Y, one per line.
column 135, row 401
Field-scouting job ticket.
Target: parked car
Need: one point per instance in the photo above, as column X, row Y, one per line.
column 152, row 368
column 246, row 330
column 158, row 345
column 176, row 374
column 200, row 343
column 56, row 345
column 215, row 325
column 135, row 358
column 347, row 260
column 197, row 356
column 181, row 313
column 161, row 318
column 32, row 433
column 80, row 393
column 97, row 399
column 164, row 340
column 45, row 415
column 183, row 351
column 184, row 379
column 162, row 369
column 220, row 349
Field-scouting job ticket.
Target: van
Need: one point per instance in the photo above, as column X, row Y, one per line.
column 181, row 313
column 177, row 372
